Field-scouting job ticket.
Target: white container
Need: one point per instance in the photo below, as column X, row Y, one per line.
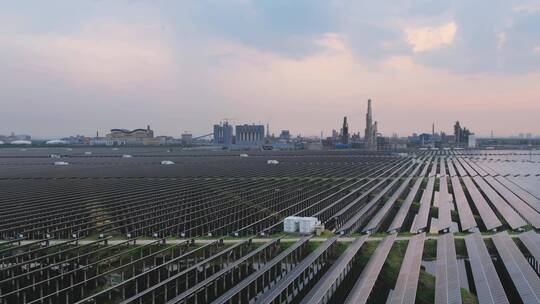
column 308, row 224
column 291, row 224
column 127, row 156
column 61, row 163
column 167, row 162
column 272, row 162
column 302, row 225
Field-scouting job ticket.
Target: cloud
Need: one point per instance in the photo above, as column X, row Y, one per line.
column 283, row 27
column 402, row 63
column 108, row 54
column 425, row 39
column 529, row 8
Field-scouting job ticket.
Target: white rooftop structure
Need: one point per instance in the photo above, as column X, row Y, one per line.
column 21, row 142
column 56, row 142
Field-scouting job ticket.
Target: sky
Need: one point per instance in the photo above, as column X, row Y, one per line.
column 77, row 67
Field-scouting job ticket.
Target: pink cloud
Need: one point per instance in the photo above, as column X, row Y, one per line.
column 105, row 54
column 424, row 39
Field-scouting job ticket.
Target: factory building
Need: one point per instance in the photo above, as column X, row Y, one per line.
column 345, row 132
column 285, row 135
column 131, row 137
column 370, row 136
column 187, row 138
column 461, row 135
column 223, row 134
column 250, row 134
column 471, row 141
column 15, row 137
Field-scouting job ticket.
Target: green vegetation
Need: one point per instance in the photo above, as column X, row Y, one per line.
column 367, row 251
column 327, row 234
column 379, row 234
column 341, row 247
column 425, row 292
column 468, row 298
column 391, row 268
column 311, row 246
column 430, row 250
column 283, row 246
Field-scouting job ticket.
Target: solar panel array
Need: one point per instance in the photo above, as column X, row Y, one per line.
column 208, row 227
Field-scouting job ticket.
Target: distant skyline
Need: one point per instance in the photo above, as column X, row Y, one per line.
column 77, row 67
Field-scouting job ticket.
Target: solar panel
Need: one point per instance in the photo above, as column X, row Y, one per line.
column 445, row 201
column 450, row 166
column 447, row 288
column 525, row 280
column 421, row 220
column 486, row 213
column 466, row 217
column 526, row 211
column 381, row 214
column 488, row 286
column 524, row 195
column 311, row 262
column 532, row 241
column 459, row 167
column 327, row 285
column 467, row 167
column 513, row 219
column 402, row 212
column 407, row 281
column 362, row 288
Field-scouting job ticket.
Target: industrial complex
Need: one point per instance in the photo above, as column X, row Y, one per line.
column 256, row 136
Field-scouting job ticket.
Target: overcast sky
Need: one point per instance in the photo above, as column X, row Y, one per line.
column 74, row 67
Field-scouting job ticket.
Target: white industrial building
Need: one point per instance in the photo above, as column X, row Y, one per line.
column 472, row 141
column 302, row 225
